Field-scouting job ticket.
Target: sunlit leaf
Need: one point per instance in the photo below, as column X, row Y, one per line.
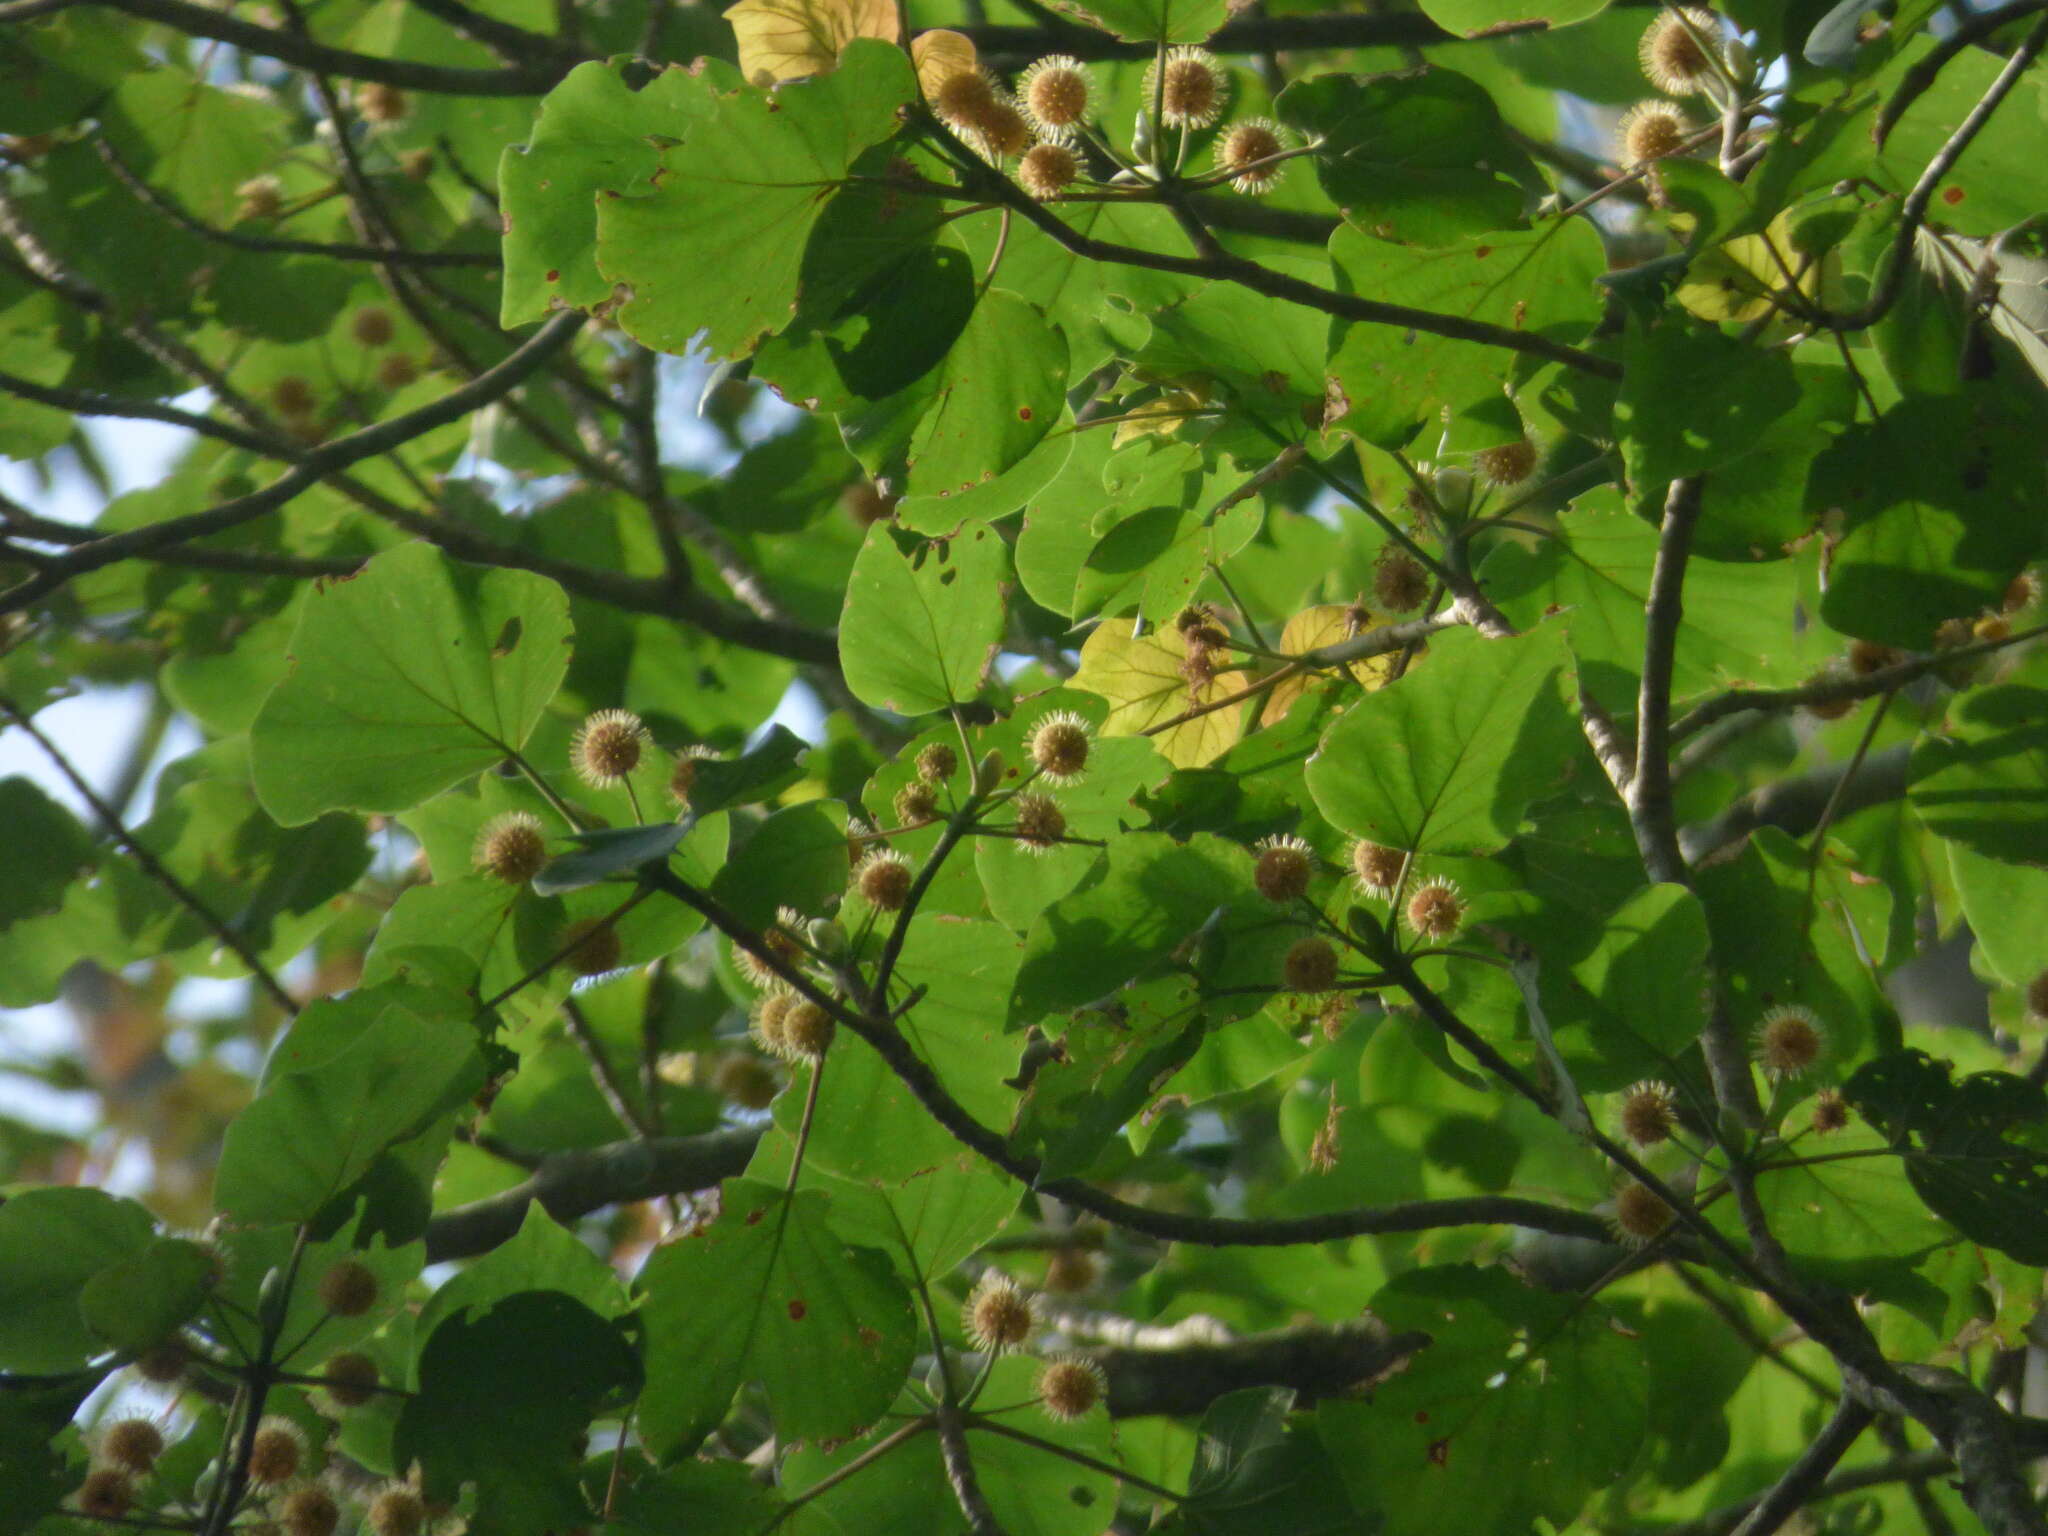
column 789, row 39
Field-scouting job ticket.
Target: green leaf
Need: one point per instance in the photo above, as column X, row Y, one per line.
column 140, row 1300
column 407, row 678
column 997, row 393
column 1150, row 21
column 312, row 1133
column 51, row 850
column 1523, row 1406
column 1445, row 760
column 52, row 1243
column 543, row 1255
column 768, row 1292
column 503, row 1395
column 595, row 137
column 1638, row 1022
column 797, row 857
column 2007, row 908
column 605, row 853
column 1472, row 17
column 1982, row 780
column 1693, row 398
column 920, row 622
column 1393, row 380
column 718, row 242
column 1422, row 158
column 767, row 767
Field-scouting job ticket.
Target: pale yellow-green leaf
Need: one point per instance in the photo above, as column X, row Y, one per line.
column 789, row 39
column 1731, row 283
column 1324, row 624
column 1142, row 680
column 939, row 55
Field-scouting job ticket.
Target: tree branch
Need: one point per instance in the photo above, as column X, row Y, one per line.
column 1315, row 1361
column 1795, row 805
column 1803, row 1478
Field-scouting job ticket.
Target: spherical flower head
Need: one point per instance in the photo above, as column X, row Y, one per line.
column 1648, row 1112
column 1993, row 626
column 608, row 746
column 309, row 1510
column 133, row 1445
column 960, row 99
column 998, row 1315
column 884, row 880
column 262, row 198
column 1650, row 130
column 779, row 939
column 2021, row 593
column 1310, row 966
column 682, row 776
column 766, row 1020
column 1246, row 150
column 1506, row 463
column 1040, row 823
column 1070, row 1387
column 1191, row 90
column 163, row 1364
column 348, row 1288
column 511, row 847
column 999, row 131
column 1054, row 93
column 107, row 1493
column 1672, row 56
column 395, row 370
column 1436, row 909
column 1398, row 580
column 1640, row 1214
column 807, row 1031
column 397, row 1510
column 1069, row 1270
column 592, row 946
column 745, row 1080
column 1867, row 656
column 1830, row 1112
column 292, row 396
column 916, row 804
column 1059, row 747
column 2037, row 996
column 1377, row 868
column 380, row 103
column 1284, row 868
column 371, row 326
column 937, row 763
column 350, row 1380
column 277, row 1452
column 1047, row 170
column 1789, row 1040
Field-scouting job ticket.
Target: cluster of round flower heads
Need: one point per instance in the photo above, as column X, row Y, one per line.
column 1682, row 55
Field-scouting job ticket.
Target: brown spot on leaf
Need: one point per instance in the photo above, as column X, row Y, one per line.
column 1481, row 252
column 1440, row 1453
column 1023, row 413
column 554, row 275
column 753, row 1217
column 1953, row 195
column 798, row 1311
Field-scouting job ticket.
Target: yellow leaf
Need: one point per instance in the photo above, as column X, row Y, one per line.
column 939, row 55
column 1731, row 283
column 789, row 39
column 1163, row 417
column 1142, row 680
column 1325, row 624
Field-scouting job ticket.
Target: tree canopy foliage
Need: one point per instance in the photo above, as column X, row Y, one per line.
column 1386, row 678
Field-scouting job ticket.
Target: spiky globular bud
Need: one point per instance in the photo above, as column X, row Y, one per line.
column 1789, row 1040
column 381, row 103
column 348, row 1288
column 1640, row 1214
column 1191, row 90
column 998, row 1315
column 1436, row 910
column 884, row 880
column 1054, row 93
column 371, row 326
column 1648, row 1113
column 1992, row 626
column 1649, row 131
column 1284, row 869
column 1830, row 1112
column 1867, row 656
column 350, row 1380
column 163, row 1364
column 682, row 774
column 309, row 1510
column 1047, row 170
column 1000, row 132
column 292, row 396
column 397, row 1510
column 107, row 1493
column 1059, row 747
column 1377, row 868
column 592, row 946
column 962, row 98
column 937, row 763
column 511, row 847
column 277, row 1452
column 1040, row 823
column 262, row 198
column 915, row 804
column 1070, row 1387
column 1246, row 152
column 766, row 1020
column 1672, row 57
column 1506, row 463
column 395, row 370
column 2021, row 593
column 1398, row 580
column 779, row 938
column 807, row 1031
column 1310, row 966
column 745, row 1080
column 133, row 1445
column 608, row 745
